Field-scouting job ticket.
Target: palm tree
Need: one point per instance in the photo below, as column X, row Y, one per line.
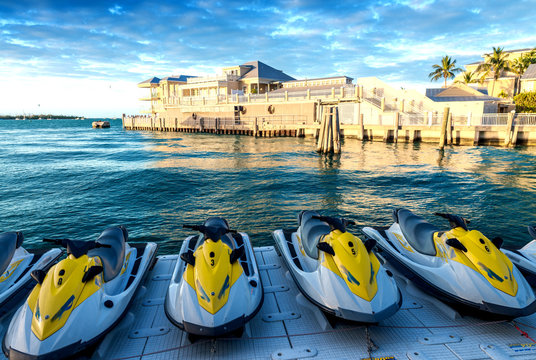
column 518, row 67
column 496, row 63
column 468, row 77
column 446, row 70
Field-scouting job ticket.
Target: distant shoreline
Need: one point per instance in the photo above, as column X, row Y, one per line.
column 49, row 117
column 41, row 116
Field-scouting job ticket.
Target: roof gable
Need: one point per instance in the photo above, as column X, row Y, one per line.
column 530, row 73
column 261, row 70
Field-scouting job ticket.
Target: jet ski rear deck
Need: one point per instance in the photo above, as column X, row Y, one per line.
column 288, row 326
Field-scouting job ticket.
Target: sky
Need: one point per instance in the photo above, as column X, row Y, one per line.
column 86, row 58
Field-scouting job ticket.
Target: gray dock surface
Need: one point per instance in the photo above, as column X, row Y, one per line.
column 289, row 327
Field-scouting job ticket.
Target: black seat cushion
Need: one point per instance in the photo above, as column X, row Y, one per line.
column 9, row 242
column 417, row 231
column 112, row 257
column 312, row 230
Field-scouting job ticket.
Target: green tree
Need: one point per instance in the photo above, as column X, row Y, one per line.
column 468, row 77
column 446, row 70
column 518, row 67
column 496, row 63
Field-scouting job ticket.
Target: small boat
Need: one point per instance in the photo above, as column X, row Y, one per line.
column 100, row 124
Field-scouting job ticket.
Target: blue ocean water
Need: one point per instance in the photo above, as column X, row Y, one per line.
column 61, row 178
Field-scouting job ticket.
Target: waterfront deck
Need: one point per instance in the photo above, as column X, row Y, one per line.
column 289, row 327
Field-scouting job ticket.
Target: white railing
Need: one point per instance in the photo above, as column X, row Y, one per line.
column 490, row 119
column 525, row 119
column 224, row 77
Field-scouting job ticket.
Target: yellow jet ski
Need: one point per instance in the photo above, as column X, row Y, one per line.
column 216, row 286
column 525, row 258
column 16, row 267
column 459, row 266
column 336, row 271
column 79, row 299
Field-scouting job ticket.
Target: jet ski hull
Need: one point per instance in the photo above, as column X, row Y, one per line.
column 423, row 277
column 245, row 298
column 319, row 289
column 102, row 309
column 22, row 282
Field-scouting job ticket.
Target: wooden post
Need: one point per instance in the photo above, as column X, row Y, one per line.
column 508, row 137
column 443, row 135
column 249, row 97
column 333, row 92
column 286, row 95
column 308, row 94
column 329, row 145
column 397, row 122
column 382, row 104
column 255, row 128
column 327, row 130
column 449, row 129
column 336, row 132
column 361, row 128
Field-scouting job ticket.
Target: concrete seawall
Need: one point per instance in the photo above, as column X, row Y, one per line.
column 294, row 126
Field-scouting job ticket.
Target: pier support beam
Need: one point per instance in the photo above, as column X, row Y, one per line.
column 443, row 135
column 509, row 126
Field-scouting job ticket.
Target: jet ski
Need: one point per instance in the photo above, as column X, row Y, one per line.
column 79, row 299
column 215, row 287
column 459, row 266
column 336, row 271
column 525, row 258
column 16, row 265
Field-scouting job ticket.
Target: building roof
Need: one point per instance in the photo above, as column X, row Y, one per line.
column 459, row 92
column 153, row 80
column 179, row 78
column 261, row 70
column 530, row 73
column 322, row 78
column 513, row 51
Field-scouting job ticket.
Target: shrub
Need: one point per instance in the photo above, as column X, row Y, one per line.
column 526, row 102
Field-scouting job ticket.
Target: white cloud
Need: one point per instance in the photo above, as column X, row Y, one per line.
column 20, row 42
column 116, row 10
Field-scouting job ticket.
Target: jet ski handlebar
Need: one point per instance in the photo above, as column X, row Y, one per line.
column 335, row 223
column 455, row 220
column 77, row 248
column 210, row 232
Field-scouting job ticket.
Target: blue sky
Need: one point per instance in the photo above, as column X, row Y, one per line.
column 87, row 57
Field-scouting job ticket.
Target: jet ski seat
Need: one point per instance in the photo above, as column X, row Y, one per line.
column 113, row 257
column 417, row 231
column 9, row 242
column 312, row 231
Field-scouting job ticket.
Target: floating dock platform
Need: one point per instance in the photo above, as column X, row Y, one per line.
column 289, row 327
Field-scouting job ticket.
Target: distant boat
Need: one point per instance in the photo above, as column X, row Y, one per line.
column 100, row 124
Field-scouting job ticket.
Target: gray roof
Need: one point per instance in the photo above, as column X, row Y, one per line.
column 464, row 98
column 182, row 78
column 432, row 94
column 530, row 73
column 261, row 70
column 153, row 80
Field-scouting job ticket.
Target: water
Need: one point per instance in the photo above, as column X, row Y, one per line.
column 62, row 178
